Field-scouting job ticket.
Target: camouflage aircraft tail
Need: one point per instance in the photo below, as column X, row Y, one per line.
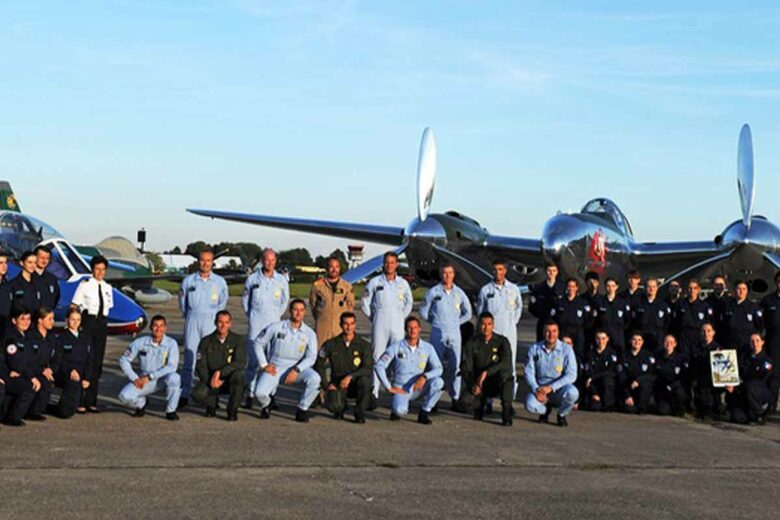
column 7, row 200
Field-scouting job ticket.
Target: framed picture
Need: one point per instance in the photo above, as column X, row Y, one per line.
column 725, row 368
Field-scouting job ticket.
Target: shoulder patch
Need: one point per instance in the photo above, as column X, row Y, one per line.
column 11, row 349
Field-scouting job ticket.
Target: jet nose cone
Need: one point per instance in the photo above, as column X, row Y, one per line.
column 430, row 228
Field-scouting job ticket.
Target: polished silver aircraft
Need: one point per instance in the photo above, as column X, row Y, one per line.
column 599, row 238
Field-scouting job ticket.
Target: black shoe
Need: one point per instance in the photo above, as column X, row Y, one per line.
column 394, row 416
column 761, row 421
column 506, row 421
column 13, row 422
column 373, row 404
column 423, row 418
column 338, row 416
column 211, row 411
column 489, row 409
column 247, row 404
column 232, row 417
column 479, row 414
column 35, row 417
column 183, row 402
column 273, row 404
column 506, row 416
column 359, row 417
column 562, row 422
column 265, row 413
column 172, row 416
column 456, row 407
column 301, row 416
column 139, row 412
column 434, row 410
column 545, row 417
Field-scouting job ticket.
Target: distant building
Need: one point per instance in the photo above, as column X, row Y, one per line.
column 355, row 255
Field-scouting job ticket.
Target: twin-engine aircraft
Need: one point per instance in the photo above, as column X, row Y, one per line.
column 599, row 238
column 20, row 233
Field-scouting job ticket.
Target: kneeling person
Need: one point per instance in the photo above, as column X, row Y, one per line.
column 550, row 371
column 220, row 366
column 158, row 357
column 599, row 375
column 351, row 362
column 417, row 372
column 286, row 351
column 71, row 366
column 486, row 368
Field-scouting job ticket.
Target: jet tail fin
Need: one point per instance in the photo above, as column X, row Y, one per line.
column 7, row 199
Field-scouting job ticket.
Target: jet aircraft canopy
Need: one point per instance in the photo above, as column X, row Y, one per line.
column 607, row 209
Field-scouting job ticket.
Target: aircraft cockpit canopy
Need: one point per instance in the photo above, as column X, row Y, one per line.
column 607, row 209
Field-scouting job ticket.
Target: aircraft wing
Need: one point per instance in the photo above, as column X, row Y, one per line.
column 368, row 232
column 666, row 259
column 525, row 251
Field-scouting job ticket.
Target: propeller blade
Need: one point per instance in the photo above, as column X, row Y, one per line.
column 426, row 173
column 745, row 183
column 369, row 267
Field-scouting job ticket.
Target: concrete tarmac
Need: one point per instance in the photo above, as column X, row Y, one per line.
column 602, row 465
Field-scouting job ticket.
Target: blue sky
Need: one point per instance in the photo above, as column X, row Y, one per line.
column 120, row 114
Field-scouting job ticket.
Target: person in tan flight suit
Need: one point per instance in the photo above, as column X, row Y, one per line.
column 329, row 297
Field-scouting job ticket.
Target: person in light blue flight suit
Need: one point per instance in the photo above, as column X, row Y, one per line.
column 551, row 370
column 446, row 307
column 158, row 357
column 266, row 295
column 502, row 299
column 202, row 296
column 386, row 301
column 417, row 373
column 286, row 352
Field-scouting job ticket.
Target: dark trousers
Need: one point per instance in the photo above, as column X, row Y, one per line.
column 18, row 396
column 498, row 385
column 359, row 389
column 749, row 401
column 670, row 399
column 604, row 388
column 207, row 396
column 706, row 398
column 41, row 398
column 97, row 328
column 641, row 396
column 70, row 396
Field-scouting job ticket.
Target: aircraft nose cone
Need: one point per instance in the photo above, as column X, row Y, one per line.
column 430, row 229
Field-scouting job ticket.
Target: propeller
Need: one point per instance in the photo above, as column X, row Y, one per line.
column 745, row 180
column 426, row 173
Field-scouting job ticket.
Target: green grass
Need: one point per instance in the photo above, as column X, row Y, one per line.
column 297, row 290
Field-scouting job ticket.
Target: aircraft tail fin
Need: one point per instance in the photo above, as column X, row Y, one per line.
column 7, row 199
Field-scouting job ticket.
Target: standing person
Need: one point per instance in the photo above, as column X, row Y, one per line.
column 718, row 299
column 158, row 359
column 94, row 297
column 41, row 341
column 202, row 296
column 446, row 307
column 387, row 300
column 416, row 373
column 351, row 362
column 671, row 384
column 770, row 306
column 329, row 298
column 221, row 365
column 286, row 352
column 265, row 298
column 636, row 376
column 6, row 296
column 634, row 292
column 487, row 370
column 544, row 297
column 592, row 297
column 21, row 383
column 551, row 371
column 24, row 288
column 48, row 285
column 741, row 318
column 573, row 315
column 673, row 299
column 502, row 299
column 71, row 365
column 706, row 398
column 651, row 317
column 613, row 316
column 690, row 314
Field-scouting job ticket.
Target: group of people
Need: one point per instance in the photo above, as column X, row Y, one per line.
column 34, row 359
column 637, row 351
column 632, row 351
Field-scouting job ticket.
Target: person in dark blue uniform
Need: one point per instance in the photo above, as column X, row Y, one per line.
column 613, row 316
column 573, row 314
column 599, row 373
column 48, row 285
column 6, row 297
column 592, row 296
column 651, row 317
column 24, row 288
column 770, row 307
column 17, row 370
column 544, row 297
column 706, row 398
column 71, row 366
column 636, row 376
column 689, row 316
column 671, row 383
column 741, row 318
column 718, row 299
column 749, row 402
column 41, row 341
